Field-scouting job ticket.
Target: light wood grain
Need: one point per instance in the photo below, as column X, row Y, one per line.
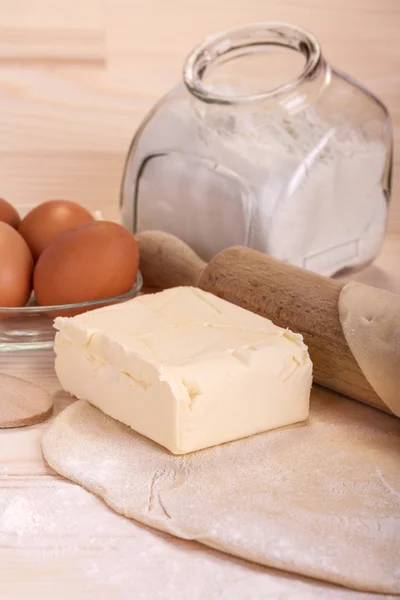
column 70, row 104
column 52, row 30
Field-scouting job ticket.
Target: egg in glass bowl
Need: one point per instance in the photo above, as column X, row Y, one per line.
column 59, row 259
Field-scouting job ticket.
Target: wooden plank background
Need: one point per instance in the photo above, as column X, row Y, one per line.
column 69, row 110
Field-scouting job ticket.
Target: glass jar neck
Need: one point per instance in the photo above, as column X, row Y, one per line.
column 232, row 44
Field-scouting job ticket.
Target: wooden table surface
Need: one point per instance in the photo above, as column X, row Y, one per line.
column 76, row 78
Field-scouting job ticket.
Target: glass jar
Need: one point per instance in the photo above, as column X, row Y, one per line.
column 299, row 169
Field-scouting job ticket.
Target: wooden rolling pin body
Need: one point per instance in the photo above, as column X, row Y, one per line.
column 287, row 295
column 291, row 297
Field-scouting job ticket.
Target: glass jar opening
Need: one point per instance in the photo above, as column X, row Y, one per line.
column 251, row 64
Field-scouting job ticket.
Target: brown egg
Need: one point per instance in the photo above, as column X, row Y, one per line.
column 43, row 224
column 16, row 267
column 8, row 214
column 91, row 262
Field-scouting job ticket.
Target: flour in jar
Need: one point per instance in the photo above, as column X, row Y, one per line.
column 296, row 187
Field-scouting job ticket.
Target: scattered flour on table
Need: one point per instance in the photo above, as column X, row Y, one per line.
column 50, row 524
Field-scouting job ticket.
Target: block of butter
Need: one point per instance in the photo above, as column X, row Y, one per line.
column 185, row 368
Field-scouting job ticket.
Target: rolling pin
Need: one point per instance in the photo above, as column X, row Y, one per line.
column 352, row 330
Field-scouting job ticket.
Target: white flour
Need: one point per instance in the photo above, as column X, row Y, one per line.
column 302, row 190
column 71, row 541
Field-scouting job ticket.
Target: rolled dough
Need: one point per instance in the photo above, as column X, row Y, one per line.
column 321, row 498
column 370, row 321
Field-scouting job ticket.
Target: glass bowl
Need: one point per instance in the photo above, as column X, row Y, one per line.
column 31, row 327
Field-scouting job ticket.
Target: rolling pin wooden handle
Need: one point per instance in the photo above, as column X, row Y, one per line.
column 288, row 295
column 166, row 261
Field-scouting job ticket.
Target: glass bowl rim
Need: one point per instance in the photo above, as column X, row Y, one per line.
column 26, row 310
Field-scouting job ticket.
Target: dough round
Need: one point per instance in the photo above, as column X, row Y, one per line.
column 321, row 498
column 370, row 321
